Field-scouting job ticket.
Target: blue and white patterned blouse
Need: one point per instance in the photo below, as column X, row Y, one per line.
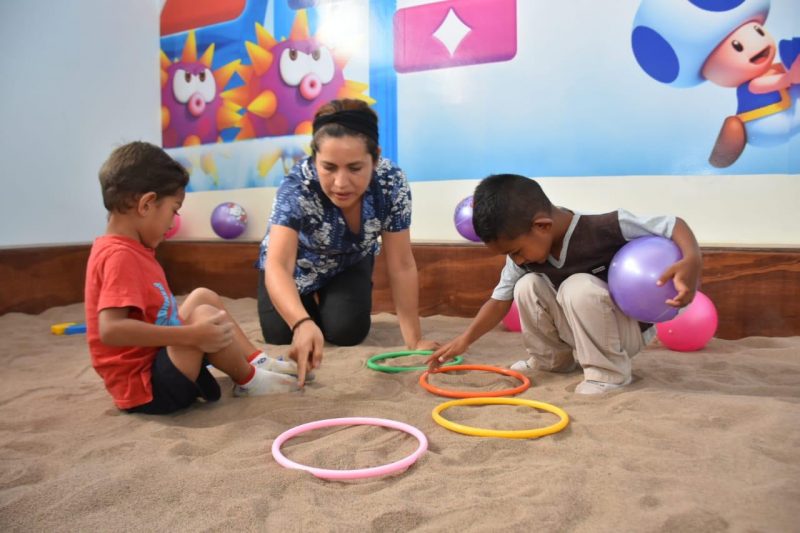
column 326, row 246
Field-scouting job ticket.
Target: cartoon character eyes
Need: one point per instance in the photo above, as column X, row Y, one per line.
column 759, row 31
column 185, row 84
column 737, row 46
column 207, row 86
column 296, row 65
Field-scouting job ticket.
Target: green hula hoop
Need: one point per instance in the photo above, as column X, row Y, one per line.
column 372, row 362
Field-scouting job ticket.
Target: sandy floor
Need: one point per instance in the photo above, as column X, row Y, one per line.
column 708, row 441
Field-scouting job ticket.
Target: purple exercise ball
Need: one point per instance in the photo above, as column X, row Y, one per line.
column 463, row 220
column 229, row 220
column 632, row 278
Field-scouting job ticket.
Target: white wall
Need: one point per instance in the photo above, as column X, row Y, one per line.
column 82, row 77
column 79, row 78
column 738, row 211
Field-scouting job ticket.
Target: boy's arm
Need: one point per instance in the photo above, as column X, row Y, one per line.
column 209, row 334
column 489, row 315
column 686, row 272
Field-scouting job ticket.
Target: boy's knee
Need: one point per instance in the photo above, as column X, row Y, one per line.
column 533, row 293
column 201, row 312
column 581, row 290
column 531, row 284
column 206, row 296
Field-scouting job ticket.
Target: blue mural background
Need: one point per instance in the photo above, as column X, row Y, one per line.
column 572, row 101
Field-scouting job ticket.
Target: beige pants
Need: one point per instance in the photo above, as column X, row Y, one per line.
column 579, row 323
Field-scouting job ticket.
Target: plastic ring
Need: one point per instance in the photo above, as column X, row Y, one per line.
column 423, row 380
column 372, row 362
column 391, row 468
column 505, row 434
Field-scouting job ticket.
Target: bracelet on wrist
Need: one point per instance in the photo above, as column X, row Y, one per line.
column 297, row 324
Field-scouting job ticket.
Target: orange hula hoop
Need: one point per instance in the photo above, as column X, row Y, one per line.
column 423, row 381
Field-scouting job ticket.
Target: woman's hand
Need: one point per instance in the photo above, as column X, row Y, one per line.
column 422, row 344
column 306, row 349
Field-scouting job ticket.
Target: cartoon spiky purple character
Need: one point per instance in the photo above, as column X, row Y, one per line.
column 288, row 81
column 193, row 108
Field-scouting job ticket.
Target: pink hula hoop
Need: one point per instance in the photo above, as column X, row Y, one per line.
column 323, row 473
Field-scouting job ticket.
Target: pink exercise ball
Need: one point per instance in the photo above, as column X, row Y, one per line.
column 511, row 320
column 693, row 328
column 176, row 225
column 462, row 218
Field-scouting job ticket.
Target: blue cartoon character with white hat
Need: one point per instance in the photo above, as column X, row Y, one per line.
column 685, row 42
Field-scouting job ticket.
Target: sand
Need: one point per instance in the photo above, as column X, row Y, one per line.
column 706, row 441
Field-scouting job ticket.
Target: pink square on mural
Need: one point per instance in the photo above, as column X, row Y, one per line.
column 453, row 33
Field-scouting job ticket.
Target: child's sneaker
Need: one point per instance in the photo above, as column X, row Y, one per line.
column 523, row 366
column 279, row 365
column 266, row 382
column 530, row 364
column 590, row 387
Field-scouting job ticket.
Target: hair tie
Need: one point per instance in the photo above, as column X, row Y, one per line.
column 360, row 121
column 297, row 324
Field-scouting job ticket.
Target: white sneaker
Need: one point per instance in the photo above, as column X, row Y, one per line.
column 590, row 387
column 522, row 366
column 279, row 365
column 266, row 382
column 529, row 364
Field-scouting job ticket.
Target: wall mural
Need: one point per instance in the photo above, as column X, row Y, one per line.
column 465, row 88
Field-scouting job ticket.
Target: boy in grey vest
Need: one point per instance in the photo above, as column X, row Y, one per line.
column 557, row 269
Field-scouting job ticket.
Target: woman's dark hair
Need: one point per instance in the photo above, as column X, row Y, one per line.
column 137, row 168
column 504, row 206
column 334, row 129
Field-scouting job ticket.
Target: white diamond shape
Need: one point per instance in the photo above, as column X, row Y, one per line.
column 451, row 31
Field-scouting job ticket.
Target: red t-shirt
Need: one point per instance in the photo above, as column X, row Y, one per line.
column 122, row 272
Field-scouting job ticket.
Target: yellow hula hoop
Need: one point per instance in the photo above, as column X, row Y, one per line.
column 505, row 434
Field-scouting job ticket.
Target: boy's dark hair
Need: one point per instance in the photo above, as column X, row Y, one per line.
column 137, row 168
column 504, row 205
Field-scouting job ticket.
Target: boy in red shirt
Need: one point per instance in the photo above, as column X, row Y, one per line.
column 151, row 354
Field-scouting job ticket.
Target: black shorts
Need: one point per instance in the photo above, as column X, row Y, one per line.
column 172, row 391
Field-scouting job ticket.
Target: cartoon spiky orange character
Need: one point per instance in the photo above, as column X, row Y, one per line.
column 193, row 107
column 288, row 81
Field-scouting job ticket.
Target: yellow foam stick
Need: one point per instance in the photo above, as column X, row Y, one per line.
column 58, row 329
